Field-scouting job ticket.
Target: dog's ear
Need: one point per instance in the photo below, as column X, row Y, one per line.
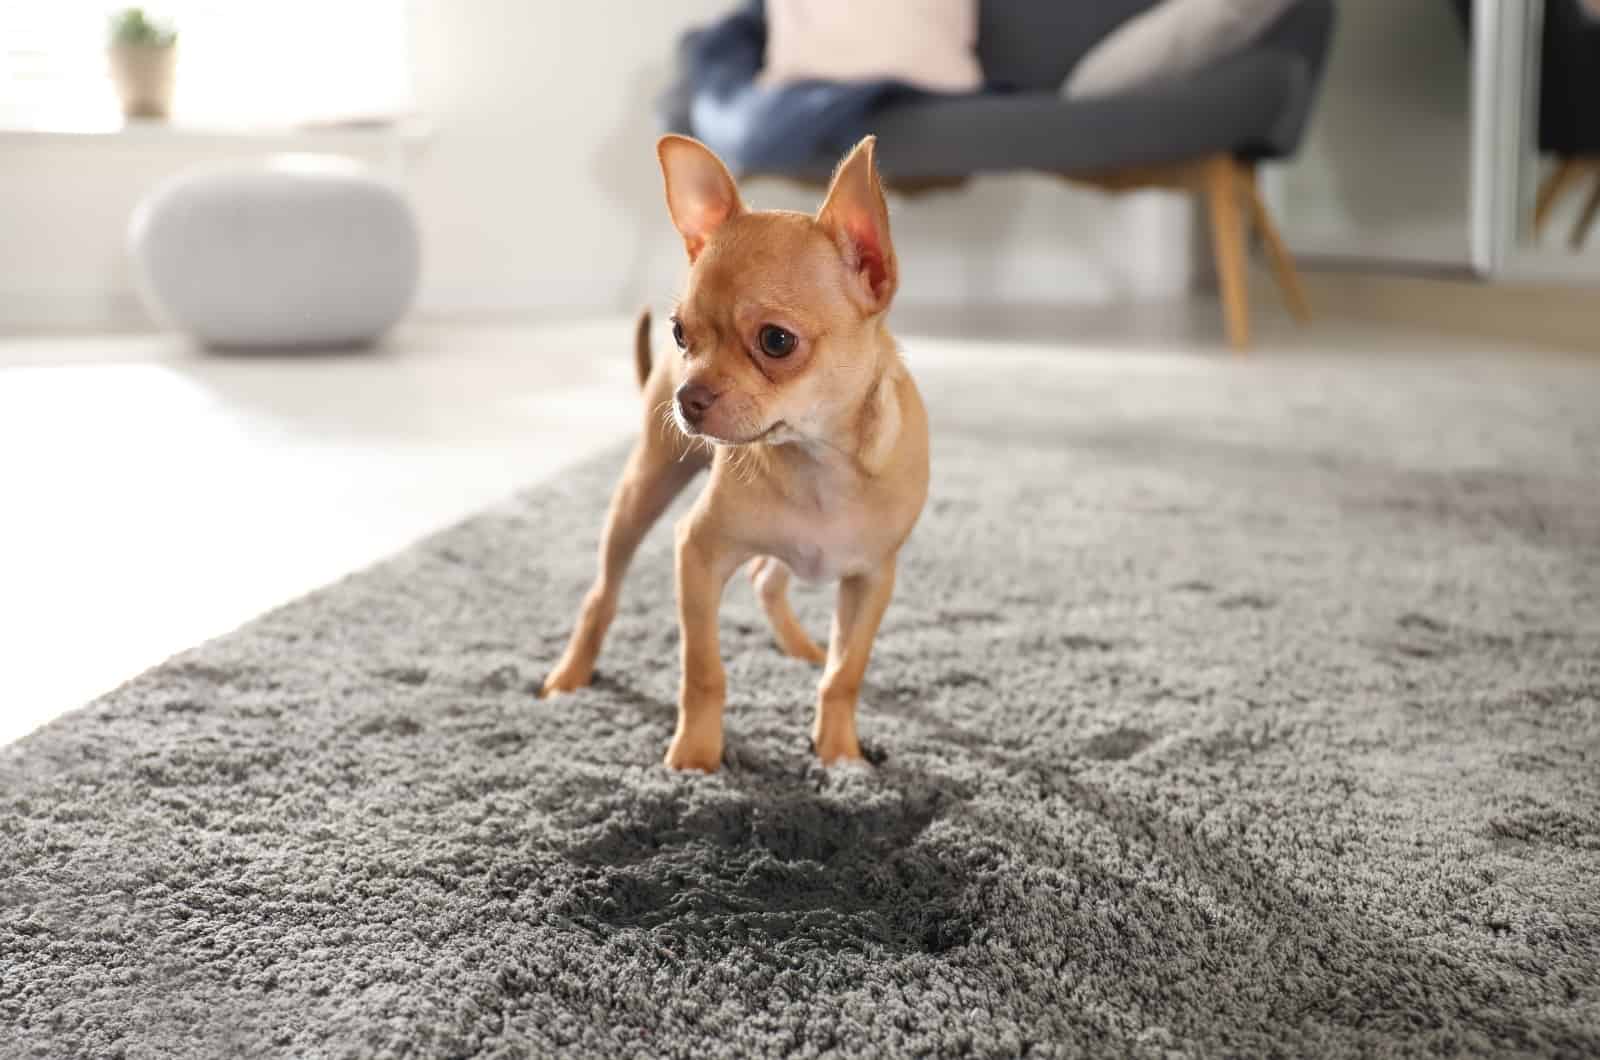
column 701, row 194
column 857, row 217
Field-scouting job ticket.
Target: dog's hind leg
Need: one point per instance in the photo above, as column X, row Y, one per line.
column 770, row 576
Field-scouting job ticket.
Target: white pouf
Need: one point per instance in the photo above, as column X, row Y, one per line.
column 293, row 250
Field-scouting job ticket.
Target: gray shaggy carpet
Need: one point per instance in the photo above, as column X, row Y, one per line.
column 1225, row 708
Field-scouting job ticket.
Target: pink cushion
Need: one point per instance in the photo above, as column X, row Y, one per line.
column 925, row 43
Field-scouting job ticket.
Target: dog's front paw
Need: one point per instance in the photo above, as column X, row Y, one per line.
column 700, row 752
column 566, row 677
column 836, row 747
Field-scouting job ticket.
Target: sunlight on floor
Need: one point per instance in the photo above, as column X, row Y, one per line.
column 154, row 504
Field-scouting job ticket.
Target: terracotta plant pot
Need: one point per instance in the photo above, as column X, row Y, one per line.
column 143, row 75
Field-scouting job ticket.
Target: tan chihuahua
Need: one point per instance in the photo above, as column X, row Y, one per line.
column 818, row 440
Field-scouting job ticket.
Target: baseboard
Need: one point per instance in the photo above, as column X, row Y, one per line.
column 1547, row 316
column 33, row 312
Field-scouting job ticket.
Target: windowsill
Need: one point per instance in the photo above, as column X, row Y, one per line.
column 406, row 133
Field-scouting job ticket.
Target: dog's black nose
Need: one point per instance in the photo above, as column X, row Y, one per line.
column 693, row 401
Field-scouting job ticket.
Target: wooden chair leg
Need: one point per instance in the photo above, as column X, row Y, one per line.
column 1591, row 206
column 1294, row 295
column 1566, row 171
column 1222, row 191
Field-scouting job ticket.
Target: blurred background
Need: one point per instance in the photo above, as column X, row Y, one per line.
column 284, row 285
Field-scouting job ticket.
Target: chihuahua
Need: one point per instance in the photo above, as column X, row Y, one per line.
column 789, row 387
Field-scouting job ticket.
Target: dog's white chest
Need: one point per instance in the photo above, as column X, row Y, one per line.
column 831, row 546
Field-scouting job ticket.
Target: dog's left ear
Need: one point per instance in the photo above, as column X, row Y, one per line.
column 857, row 217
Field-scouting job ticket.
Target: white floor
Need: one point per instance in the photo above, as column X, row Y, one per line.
column 154, row 496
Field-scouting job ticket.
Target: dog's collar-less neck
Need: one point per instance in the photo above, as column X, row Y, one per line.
column 879, row 421
column 871, row 431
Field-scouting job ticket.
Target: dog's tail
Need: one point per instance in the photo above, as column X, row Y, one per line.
column 641, row 346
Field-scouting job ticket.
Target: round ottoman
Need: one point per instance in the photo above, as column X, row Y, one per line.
column 288, row 251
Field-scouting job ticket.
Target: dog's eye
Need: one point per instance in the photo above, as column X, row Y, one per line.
column 677, row 334
column 776, row 342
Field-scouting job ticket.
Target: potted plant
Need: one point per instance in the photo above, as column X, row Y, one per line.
column 144, row 53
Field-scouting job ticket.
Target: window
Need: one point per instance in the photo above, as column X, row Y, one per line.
column 241, row 63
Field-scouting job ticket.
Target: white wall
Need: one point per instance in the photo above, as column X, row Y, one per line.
column 538, row 191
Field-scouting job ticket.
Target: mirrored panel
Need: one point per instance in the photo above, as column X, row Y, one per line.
column 1556, row 211
column 1385, row 171
column 1461, row 135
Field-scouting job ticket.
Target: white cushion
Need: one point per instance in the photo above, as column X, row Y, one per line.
column 927, row 43
column 293, row 250
column 1173, row 38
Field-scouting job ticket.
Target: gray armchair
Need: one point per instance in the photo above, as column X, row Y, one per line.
column 1203, row 132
